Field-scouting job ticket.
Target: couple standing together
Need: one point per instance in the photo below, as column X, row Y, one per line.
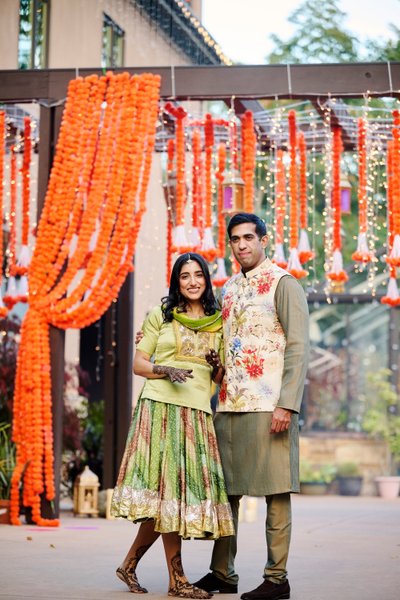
column 180, row 477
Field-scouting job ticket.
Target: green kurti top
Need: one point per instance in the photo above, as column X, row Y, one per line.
column 175, row 345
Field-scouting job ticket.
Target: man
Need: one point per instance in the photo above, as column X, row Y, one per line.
column 265, row 318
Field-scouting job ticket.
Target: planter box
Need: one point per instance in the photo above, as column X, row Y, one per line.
column 349, row 486
column 388, row 487
column 4, row 512
column 314, row 488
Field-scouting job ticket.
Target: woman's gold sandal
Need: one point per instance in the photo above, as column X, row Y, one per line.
column 129, row 577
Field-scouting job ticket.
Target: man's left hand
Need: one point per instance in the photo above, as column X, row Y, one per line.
column 280, row 420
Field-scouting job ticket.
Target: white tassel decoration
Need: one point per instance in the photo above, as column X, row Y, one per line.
column 279, row 256
column 24, row 257
column 179, row 237
column 23, row 288
column 195, row 237
column 294, row 262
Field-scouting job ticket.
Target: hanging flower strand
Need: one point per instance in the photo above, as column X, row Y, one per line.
column 305, row 252
column 294, row 267
column 248, row 164
column 221, row 276
column 3, row 308
column 280, row 210
column 171, row 207
column 394, row 255
column 336, row 273
column 392, row 297
column 362, row 254
column 102, row 162
column 11, row 295
column 196, row 188
column 208, row 249
column 180, row 242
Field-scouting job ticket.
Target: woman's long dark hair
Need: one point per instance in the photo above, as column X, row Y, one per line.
column 174, row 298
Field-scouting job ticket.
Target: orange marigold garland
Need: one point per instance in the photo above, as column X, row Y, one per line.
column 208, row 249
column 394, row 255
column 180, row 243
column 3, row 308
column 196, row 189
column 362, row 254
column 280, row 210
column 100, row 173
column 170, row 191
column 392, row 297
column 304, row 249
column 11, row 295
column 294, row 267
column 248, row 164
column 336, row 273
column 221, row 277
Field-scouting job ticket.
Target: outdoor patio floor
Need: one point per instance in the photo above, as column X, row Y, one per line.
column 343, row 548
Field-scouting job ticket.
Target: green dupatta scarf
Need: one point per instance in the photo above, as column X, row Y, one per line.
column 212, row 324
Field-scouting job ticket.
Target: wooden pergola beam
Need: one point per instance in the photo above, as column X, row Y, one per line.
column 353, row 80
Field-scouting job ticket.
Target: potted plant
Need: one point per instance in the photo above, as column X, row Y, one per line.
column 315, row 479
column 382, row 419
column 349, row 479
column 7, row 464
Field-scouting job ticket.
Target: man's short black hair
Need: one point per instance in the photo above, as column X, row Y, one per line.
column 240, row 218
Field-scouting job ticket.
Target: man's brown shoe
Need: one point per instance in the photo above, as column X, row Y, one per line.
column 268, row 590
column 212, row 583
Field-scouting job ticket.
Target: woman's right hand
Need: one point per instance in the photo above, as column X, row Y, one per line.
column 138, row 337
column 174, row 374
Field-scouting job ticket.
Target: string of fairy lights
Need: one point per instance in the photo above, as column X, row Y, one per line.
column 315, row 121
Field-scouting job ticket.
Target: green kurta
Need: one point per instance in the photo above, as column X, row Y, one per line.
column 255, row 462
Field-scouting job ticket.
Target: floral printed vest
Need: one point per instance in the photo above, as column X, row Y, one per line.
column 254, row 341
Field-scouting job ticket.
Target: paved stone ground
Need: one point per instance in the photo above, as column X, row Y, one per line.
column 342, row 549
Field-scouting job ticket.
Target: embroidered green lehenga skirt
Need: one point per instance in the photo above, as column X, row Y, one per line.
column 171, row 472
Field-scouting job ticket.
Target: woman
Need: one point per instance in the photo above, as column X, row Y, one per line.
column 171, row 479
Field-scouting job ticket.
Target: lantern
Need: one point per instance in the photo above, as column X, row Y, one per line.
column 86, row 488
column 345, row 194
column 232, row 193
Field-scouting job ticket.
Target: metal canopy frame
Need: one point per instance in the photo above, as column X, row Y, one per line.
column 234, row 84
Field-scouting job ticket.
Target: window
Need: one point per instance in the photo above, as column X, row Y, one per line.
column 113, row 44
column 33, row 34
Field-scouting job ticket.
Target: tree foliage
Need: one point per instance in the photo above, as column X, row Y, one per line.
column 320, row 36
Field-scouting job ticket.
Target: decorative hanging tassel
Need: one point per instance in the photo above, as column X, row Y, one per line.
column 180, row 241
column 362, row 254
column 11, row 295
column 279, row 256
column 195, row 238
column 207, row 248
column 221, row 276
column 294, row 266
column 3, row 308
column 23, row 261
column 392, row 297
column 394, row 257
column 280, row 210
column 337, row 273
column 23, row 289
column 304, row 248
